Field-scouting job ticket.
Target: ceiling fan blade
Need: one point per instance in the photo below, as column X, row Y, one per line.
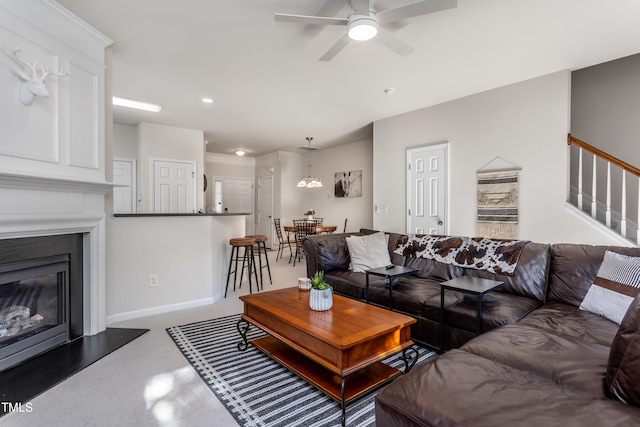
column 393, row 43
column 414, row 9
column 309, row 20
column 360, row 7
column 329, row 8
column 336, row 48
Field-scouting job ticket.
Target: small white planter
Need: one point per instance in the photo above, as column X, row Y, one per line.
column 320, row 300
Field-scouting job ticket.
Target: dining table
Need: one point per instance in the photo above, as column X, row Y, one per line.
column 319, row 228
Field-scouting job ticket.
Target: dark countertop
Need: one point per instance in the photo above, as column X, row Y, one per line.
column 160, row 215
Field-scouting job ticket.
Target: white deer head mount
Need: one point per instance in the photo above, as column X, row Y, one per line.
column 32, row 85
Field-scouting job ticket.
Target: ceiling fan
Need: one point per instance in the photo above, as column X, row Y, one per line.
column 363, row 23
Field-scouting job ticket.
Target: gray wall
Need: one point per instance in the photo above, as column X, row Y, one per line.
column 525, row 123
column 605, row 112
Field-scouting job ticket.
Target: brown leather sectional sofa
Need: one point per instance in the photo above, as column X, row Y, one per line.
column 419, row 295
column 541, row 361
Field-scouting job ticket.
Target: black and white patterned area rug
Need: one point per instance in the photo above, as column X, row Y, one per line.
column 257, row 390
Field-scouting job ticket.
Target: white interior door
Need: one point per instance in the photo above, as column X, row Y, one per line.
column 174, row 186
column 427, row 190
column 238, row 197
column 265, row 208
column 124, row 198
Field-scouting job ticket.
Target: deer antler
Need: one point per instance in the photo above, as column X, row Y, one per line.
column 21, row 73
column 46, row 72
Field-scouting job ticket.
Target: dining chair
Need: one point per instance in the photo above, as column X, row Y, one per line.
column 303, row 228
column 282, row 242
column 317, row 220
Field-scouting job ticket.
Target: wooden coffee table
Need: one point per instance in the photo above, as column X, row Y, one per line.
column 338, row 350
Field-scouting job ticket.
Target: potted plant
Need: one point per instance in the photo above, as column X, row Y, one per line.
column 321, row 296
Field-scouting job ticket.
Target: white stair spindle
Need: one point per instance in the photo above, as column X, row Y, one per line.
column 623, row 207
column 580, row 206
column 608, row 212
column 594, row 186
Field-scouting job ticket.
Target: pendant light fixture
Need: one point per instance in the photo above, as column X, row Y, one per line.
column 309, row 181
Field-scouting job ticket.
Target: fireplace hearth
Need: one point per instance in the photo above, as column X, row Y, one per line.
column 40, row 295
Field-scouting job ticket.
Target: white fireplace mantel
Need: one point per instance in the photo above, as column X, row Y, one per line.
column 44, row 205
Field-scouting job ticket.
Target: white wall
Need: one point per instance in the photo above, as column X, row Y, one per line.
column 325, row 163
column 125, row 141
column 525, row 123
column 189, row 255
column 167, row 142
column 287, row 170
column 290, row 202
column 226, row 165
column 291, row 206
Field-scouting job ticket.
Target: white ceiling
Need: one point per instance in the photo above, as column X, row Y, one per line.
column 271, row 91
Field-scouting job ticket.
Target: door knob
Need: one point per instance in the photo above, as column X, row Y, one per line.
column 440, row 222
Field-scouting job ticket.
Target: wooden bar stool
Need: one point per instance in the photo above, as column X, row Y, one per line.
column 261, row 244
column 247, row 258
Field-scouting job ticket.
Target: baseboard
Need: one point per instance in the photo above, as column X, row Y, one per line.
column 120, row 317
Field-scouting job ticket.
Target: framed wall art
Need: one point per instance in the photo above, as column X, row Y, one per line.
column 348, row 184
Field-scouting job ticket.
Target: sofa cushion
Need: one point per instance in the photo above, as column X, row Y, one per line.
column 331, row 253
column 498, row 309
column 530, row 277
column 350, row 283
column 462, row 389
column 574, row 267
column 562, row 359
column 409, row 293
column 614, row 287
column 370, row 251
column 430, row 268
column 569, row 320
column 623, row 369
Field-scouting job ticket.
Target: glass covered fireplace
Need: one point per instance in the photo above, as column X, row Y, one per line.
column 34, row 312
column 41, row 295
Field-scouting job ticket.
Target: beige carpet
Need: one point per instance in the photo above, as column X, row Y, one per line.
column 148, row 382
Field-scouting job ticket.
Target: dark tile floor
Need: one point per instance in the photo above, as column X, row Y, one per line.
column 27, row 380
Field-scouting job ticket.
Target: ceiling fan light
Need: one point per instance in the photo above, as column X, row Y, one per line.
column 362, row 29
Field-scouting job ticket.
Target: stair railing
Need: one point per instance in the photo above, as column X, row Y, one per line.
column 611, row 160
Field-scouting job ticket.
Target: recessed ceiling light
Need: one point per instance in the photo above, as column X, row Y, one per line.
column 239, row 152
column 138, row 105
column 207, row 100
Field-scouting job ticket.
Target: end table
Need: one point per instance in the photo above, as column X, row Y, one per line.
column 391, row 274
column 471, row 286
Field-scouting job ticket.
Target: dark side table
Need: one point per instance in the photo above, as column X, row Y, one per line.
column 391, row 274
column 466, row 285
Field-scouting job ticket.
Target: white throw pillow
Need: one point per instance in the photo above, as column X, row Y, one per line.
column 615, row 286
column 369, row 251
